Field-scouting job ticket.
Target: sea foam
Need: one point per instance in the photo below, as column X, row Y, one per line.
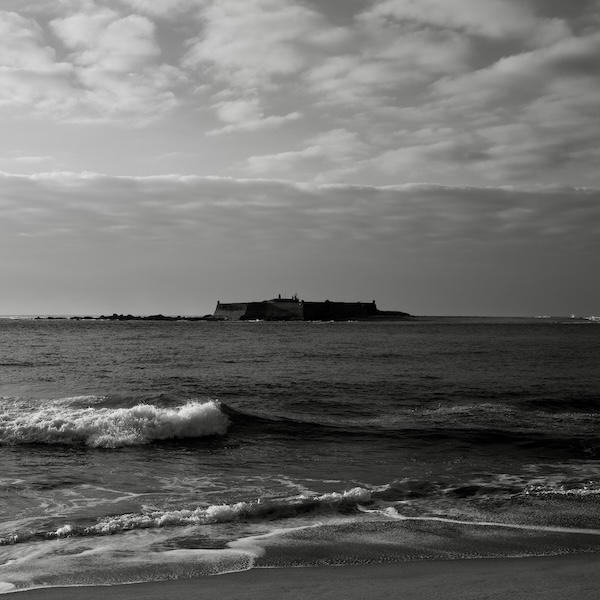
column 109, row 427
column 333, row 503
column 279, row 508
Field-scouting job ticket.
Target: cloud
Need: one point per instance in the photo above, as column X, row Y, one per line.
column 247, row 115
column 338, row 146
column 237, row 111
column 254, row 50
column 386, row 65
column 530, row 111
column 485, row 90
column 519, row 117
column 400, row 46
column 162, row 9
column 116, row 60
column 29, row 71
column 488, row 18
column 34, row 159
column 167, row 207
column 269, row 122
column 22, row 43
column 111, row 72
column 250, row 45
column 525, row 76
column 107, row 42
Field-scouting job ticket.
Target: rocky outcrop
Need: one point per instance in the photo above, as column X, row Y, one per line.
column 116, row 317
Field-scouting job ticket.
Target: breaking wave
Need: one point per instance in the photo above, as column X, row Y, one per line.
column 268, row 510
column 110, row 427
column 87, row 420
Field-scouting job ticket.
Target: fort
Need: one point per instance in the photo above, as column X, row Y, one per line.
column 293, row 309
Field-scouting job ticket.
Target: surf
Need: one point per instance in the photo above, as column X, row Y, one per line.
column 110, row 427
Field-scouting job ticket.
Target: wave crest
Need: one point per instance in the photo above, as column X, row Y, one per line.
column 112, row 428
column 222, row 513
column 262, row 509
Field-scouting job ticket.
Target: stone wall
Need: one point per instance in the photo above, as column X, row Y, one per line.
column 273, row 310
column 338, row 311
column 230, row 312
column 295, row 310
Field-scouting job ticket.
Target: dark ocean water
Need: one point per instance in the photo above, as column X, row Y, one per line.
column 133, row 451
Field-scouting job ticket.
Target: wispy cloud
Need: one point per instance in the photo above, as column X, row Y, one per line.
column 247, row 115
column 34, row 159
column 337, row 148
column 169, row 9
column 487, row 18
column 516, row 118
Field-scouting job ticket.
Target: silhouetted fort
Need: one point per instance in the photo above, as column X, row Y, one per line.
column 292, row 309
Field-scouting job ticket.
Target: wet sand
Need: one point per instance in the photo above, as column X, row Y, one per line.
column 548, row 578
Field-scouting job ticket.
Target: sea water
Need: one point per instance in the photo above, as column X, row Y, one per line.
column 138, row 451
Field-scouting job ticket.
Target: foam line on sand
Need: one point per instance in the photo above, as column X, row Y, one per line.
column 548, row 578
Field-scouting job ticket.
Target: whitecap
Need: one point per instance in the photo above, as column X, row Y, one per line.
column 111, row 427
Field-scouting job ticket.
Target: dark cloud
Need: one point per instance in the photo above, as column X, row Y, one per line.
column 277, row 209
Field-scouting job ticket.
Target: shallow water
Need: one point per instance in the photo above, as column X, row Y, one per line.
column 135, row 451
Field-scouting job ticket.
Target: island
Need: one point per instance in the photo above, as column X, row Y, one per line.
column 293, row 309
column 276, row 309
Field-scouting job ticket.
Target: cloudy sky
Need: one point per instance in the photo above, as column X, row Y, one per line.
column 438, row 156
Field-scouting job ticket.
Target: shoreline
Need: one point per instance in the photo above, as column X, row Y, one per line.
column 527, row 578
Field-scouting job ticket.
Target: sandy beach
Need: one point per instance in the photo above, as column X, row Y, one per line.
column 547, row 578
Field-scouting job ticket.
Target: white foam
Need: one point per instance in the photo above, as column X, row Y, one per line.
column 562, row 490
column 260, row 510
column 109, row 427
column 134, row 557
column 356, row 494
column 394, row 514
column 223, row 513
column 64, row 531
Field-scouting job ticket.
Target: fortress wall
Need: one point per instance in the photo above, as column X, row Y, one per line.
column 293, row 311
column 231, row 312
column 267, row 310
column 255, row 310
column 286, row 310
column 274, row 311
column 338, row 311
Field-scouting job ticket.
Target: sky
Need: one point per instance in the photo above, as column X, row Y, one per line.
column 438, row 156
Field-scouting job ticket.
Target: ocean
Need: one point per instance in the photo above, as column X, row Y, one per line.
column 140, row 451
